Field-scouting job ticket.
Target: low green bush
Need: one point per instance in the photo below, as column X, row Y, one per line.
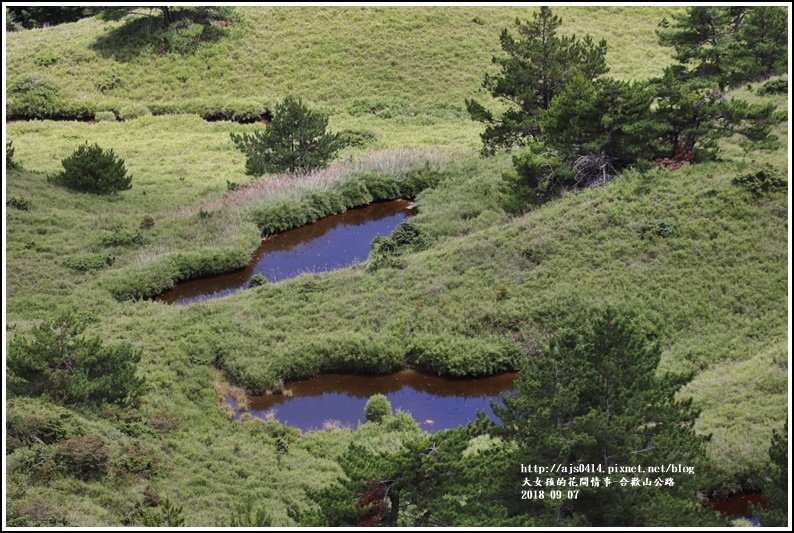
column 10, row 163
column 124, row 237
column 762, row 182
column 18, row 202
column 32, row 421
column 89, row 263
column 385, row 250
column 452, row 355
column 778, row 86
column 358, row 138
column 420, row 179
column 105, row 116
column 377, row 408
column 108, row 82
column 658, row 228
column 33, row 97
column 84, row 457
column 147, row 222
column 257, row 280
column 92, row 169
column 133, row 110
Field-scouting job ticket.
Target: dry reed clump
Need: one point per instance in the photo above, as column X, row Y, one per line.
column 395, row 162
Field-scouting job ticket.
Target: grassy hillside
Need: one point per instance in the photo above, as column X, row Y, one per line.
column 357, row 60
column 713, row 284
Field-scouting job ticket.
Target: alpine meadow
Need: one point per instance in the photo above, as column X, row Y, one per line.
column 396, row 266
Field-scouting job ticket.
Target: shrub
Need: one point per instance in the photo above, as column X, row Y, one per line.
column 132, row 111
column 240, row 112
column 147, row 222
column 232, row 186
column 296, row 140
column 762, row 182
column 33, row 97
column 377, row 408
column 357, row 138
column 108, row 82
column 84, row 457
column 778, row 86
column 10, row 163
column 60, row 362
column 92, row 169
column 257, row 280
column 46, row 58
column 386, row 249
column 105, row 116
column 18, row 202
column 32, row 421
column 420, row 179
column 88, row 263
column 245, row 515
column 462, row 356
column 659, row 228
column 124, row 237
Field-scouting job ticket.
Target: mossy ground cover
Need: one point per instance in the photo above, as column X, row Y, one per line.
column 706, row 260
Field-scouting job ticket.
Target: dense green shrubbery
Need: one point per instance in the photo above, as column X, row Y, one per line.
column 778, row 86
column 132, row 110
column 18, row 202
column 108, row 82
column 32, row 421
column 124, row 237
column 453, row 355
column 257, row 280
column 139, row 283
column 10, row 163
column 357, row 138
column 420, row 179
column 92, row 169
column 241, row 113
column 37, row 97
column 377, row 408
column 386, row 250
column 360, row 190
column 41, row 16
column 762, row 182
column 105, row 116
column 60, row 362
column 147, row 222
column 85, row 457
column 89, row 263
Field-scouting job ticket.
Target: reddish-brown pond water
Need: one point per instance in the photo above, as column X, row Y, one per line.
column 333, row 242
column 435, row 402
column 738, row 505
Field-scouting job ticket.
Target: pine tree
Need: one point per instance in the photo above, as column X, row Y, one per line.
column 776, row 490
column 729, row 45
column 71, row 368
column 593, row 396
column 537, row 65
column 295, row 140
column 695, row 115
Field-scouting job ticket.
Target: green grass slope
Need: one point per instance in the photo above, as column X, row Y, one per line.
column 354, row 60
column 489, row 288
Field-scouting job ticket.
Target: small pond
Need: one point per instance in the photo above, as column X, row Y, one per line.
column 435, row 402
column 739, row 505
column 333, row 242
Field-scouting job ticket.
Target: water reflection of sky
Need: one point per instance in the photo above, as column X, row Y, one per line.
column 435, row 403
column 333, row 242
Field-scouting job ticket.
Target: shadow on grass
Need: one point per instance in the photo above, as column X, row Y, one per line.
column 143, row 33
